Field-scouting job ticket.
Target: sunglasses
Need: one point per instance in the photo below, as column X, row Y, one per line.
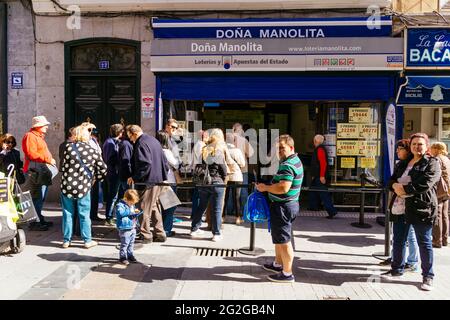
column 9, row 142
column 174, row 127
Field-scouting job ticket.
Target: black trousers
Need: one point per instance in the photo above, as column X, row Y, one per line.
column 235, row 193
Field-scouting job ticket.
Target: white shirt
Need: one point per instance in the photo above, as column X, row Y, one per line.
column 173, row 165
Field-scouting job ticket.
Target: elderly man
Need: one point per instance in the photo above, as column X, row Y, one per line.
column 149, row 167
column 40, row 165
column 319, row 173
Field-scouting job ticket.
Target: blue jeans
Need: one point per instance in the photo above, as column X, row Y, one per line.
column 424, row 239
column 39, row 203
column 167, row 216
column 195, row 201
column 315, row 197
column 244, row 191
column 216, row 195
column 127, row 238
column 413, row 253
column 123, row 186
column 111, row 195
column 83, row 206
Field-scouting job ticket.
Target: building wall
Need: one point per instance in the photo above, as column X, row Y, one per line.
column 42, row 63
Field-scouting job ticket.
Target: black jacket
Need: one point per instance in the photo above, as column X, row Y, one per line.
column 422, row 207
column 315, row 164
column 12, row 157
column 149, row 162
column 125, row 155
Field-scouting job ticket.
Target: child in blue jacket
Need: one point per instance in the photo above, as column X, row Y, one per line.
column 126, row 223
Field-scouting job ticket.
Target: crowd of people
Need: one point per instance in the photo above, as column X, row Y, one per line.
column 129, row 168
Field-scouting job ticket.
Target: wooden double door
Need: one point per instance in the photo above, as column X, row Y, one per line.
column 104, row 100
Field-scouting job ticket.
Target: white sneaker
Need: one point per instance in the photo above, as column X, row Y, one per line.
column 197, row 233
column 217, row 237
column 91, row 244
column 427, row 284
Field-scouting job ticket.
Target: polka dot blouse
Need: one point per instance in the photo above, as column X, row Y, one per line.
column 75, row 182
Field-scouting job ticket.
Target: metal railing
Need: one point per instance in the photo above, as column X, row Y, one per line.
column 363, row 190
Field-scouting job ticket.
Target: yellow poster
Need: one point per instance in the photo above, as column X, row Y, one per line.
column 368, row 131
column 347, row 148
column 359, row 115
column 348, row 163
column 368, row 148
column 347, row 130
column 369, row 163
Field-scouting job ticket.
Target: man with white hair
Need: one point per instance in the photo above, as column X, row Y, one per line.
column 246, row 148
column 319, row 173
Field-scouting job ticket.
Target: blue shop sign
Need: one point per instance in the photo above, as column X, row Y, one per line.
column 427, row 48
column 371, row 26
column 425, row 90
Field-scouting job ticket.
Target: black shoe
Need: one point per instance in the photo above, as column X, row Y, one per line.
column 386, row 262
column 270, row 267
column 47, row 223
column 96, row 219
column 36, row 226
column 144, row 240
column 331, row 216
column 159, row 239
column 171, row 234
column 391, row 274
column 132, row 259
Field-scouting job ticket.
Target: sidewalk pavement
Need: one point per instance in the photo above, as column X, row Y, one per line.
column 333, row 260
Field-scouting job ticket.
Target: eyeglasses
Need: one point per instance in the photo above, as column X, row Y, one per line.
column 174, row 127
column 9, row 142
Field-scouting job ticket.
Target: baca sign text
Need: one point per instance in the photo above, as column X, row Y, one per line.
column 428, row 47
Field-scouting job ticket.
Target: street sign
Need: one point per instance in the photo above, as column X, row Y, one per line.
column 17, row 80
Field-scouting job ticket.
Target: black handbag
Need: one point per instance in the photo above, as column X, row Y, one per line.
column 24, row 204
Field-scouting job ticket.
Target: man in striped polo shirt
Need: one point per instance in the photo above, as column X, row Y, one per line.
column 283, row 194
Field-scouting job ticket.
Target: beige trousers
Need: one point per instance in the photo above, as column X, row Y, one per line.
column 152, row 214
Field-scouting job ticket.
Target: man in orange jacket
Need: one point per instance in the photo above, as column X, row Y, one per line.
column 37, row 161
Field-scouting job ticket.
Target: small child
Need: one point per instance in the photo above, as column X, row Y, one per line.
column 126, row 216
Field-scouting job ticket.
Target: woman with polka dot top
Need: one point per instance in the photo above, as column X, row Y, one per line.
column 81, row 165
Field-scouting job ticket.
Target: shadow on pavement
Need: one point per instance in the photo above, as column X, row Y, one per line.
column 345, row 240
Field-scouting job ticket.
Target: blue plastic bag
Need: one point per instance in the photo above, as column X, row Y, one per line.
column 256, row 209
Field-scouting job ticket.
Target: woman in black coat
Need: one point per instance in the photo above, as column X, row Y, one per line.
column 10, row 155
column 421, row 205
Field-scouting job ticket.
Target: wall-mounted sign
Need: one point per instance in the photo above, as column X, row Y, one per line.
column 347, row 130
column 347, row 163
column 368, row 163
column 427, row 48
column 148, row 105
column 359, row 115
column 347, row 148
column 270, row 28
column 103, row 64
column 368, row 131
column 311, row 54
column 425, row 90
column 368, row 148
column 17, row 80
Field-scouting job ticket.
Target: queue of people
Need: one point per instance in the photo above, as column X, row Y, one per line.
column 132, row 164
